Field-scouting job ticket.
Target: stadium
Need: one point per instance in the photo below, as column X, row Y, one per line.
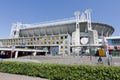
column 60, row 37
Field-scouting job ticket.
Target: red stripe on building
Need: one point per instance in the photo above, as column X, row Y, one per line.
column 118, row 47
column 110, row 47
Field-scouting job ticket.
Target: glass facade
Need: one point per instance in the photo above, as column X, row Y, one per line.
column 113, row 42
column 115, row 52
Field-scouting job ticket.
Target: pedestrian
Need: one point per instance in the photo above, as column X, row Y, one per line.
column 100, row 60
column 109, row 57
column 97, row 53
column 100, row 53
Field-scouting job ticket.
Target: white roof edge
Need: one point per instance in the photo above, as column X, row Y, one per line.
column 113, row 37
column 56, row 22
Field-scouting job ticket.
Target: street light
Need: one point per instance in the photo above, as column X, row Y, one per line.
column 77, row 13
column 88, row 13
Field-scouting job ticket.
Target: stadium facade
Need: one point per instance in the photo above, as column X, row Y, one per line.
column 61, row 37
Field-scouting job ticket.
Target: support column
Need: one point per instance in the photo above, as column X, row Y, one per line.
column 77, row 32
column 45, row 53
column 34, row 53
column 16, row 54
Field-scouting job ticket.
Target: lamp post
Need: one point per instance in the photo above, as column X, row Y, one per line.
column 88, row 14
column 77, row 14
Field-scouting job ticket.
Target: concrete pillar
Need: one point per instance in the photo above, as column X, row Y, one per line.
column 16, row 54
column 45, row 53
column 34, row 53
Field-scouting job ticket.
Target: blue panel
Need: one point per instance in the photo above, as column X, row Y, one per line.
column 55, row 50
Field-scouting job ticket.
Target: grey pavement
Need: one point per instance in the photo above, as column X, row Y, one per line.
column 7, row 76
column 67, row 60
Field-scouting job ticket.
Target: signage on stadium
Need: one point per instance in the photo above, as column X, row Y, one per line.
column 110, row 47
column 113, row 47
column 118, row 47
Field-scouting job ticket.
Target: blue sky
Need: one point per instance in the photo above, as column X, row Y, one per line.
column 35, row 11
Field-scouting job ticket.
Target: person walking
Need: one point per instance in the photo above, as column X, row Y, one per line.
column 101, row 54
column 109, row 57
column 97, row 55
column 100, row 60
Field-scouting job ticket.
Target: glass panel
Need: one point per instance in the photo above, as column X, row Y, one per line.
column 113, row 42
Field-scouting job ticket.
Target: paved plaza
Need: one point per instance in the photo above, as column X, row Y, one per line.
column 91, row 60
column 7, row 76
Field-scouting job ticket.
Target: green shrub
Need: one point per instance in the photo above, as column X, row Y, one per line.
column 62, row 72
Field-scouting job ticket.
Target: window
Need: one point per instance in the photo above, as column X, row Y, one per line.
column 14, row 32
column 66, row 42
column 48, row 42
column 65, row 37
column 61, row 37
column 113, row 41
column 31, row 39
column 66, row 47
column 48, row 38
column 37, row 38
column 57, row 38
column 57, row 42
column 44, row 42
column 61, row 46
column 53, row 42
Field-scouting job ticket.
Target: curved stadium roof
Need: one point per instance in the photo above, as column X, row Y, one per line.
column 63, row 27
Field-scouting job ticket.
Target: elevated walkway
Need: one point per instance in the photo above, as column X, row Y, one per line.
column 16, row 50
column 21, row 49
